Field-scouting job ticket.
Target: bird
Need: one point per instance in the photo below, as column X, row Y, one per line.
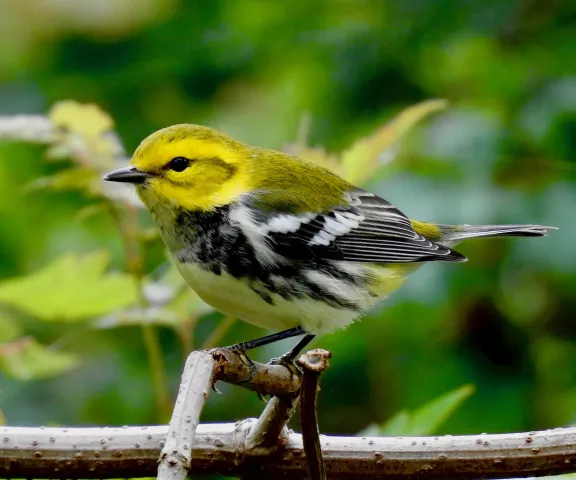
column 278, row 241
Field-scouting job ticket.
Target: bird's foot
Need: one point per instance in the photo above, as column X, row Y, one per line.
column 245, row 359
column 287, row 361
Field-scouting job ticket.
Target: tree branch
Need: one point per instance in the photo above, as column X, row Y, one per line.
column 313, row 364
column 197, row 381
column 200, row 372
column 269, row 430
column 220, row 449
column 265, row 379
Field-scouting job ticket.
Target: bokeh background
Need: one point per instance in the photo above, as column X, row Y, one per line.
column 503, row 152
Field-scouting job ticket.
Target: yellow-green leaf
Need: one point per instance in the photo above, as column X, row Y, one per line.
column 86, row 119
column 26, row 359
column 362, row 160
column 72, row 288
column 173, row 294
column 83, row 179
column 86, row 134
column 396, row 425
column 170, row 300
column 9, row 328
column 89, row 211
column 317, row 155
column 139, row 316
column 428, row 418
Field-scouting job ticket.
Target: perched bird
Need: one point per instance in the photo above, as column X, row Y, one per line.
column 280, row 242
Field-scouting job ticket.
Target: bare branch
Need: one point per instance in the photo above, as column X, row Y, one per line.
column 220, row 449
column 269, row 430
column 265, row 379
column 130, row 452
column 313, row 363
column 201, row 370
column 196, row 383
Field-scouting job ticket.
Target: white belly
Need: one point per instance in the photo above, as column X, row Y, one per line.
column 236, row 298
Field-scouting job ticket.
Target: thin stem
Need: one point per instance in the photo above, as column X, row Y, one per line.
column 185, row 333
column 154, row 352
column 185, row 328
column 128, row 228
column 215, row 338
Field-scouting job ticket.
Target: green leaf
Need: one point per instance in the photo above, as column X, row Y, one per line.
column 26, row 359
column 84, row 179
column 428, row 418
column 178, row 297
column 9, row 328
column 84, row 118
column 71, row 289
column 139, row 316
column 317, row 155
column 398, row 423
column 85, row 134
column 171, row 302
column 362, row 160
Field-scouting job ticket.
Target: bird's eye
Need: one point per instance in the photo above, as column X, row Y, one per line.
column 179, row 164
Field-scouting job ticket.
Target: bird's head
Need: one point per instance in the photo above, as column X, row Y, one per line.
column 187, row 166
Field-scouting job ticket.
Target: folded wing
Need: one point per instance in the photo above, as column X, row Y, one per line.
column 368, row 229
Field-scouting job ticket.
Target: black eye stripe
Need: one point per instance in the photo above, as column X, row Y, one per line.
column 179, row 164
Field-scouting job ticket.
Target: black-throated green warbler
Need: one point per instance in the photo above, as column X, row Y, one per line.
column 277, row 241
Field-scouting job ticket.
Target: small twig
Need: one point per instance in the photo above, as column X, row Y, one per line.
column 157, row 372
column 269, row 430
column 197, row 381
column 125, row 218
column 313, row 363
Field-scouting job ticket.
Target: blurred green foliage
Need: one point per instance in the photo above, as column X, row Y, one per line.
column 317, row 73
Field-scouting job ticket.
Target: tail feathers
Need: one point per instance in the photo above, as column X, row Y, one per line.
column 456, row 233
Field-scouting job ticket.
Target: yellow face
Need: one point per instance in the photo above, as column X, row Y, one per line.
column 190, row 166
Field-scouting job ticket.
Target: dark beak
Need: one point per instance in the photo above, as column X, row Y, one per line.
column 127, row 175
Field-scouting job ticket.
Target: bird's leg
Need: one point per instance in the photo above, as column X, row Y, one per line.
column 268, row 339
column 242, row 347
column 288, row 358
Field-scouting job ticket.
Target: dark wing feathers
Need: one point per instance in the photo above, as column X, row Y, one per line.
column 370, row 230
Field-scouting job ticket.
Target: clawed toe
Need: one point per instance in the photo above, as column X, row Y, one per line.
column 288, row 362
column 246, row 360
